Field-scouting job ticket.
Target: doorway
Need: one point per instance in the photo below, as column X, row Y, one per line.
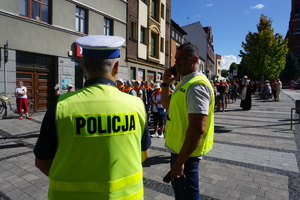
column 36, row 83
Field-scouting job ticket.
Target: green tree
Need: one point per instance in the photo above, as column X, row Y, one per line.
column 264, row 52
column 233, row 66
column 224, row 73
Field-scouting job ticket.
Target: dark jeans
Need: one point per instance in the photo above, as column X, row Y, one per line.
column 187, row 187
column 157, row 119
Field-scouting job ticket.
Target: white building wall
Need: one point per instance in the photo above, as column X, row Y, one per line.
column 143, row 22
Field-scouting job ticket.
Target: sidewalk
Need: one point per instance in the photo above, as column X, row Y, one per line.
column 255, row 156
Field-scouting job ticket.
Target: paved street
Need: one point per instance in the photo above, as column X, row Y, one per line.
column 255, row 156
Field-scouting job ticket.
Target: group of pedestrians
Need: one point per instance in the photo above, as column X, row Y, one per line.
column 228, row 90
column 150, row 93
column 272, row 89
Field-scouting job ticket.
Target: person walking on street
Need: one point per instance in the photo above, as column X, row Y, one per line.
column 158, row 112
column 189, row 131
column 22, row 101
column 221, row 88
column 278, row 89
column 234, row 91
column 274, row 88
column 246, row 91
column 102, row 133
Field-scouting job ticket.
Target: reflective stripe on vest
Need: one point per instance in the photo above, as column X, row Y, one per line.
column 109, row 186
column 178, row 119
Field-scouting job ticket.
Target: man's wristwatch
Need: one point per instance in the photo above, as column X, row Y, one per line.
column 164, row 85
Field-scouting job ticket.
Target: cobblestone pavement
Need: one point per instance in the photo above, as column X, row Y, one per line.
column 255, row 156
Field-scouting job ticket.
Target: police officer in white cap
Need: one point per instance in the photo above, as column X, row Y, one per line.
column 101, row 132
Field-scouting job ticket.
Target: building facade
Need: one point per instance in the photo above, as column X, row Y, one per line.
column 197, row 36
column 210, row 61
column 148, row 42
column 217, row 66
column 177, row 39
column 40, row 36
column 293, row 33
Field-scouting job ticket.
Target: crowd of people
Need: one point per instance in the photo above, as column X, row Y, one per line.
column 150, row 93
column 228, row 90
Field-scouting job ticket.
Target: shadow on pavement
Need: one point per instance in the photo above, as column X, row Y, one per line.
column 221, row 129
column 156, row 160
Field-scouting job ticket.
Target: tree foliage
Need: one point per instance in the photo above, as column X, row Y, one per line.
column 224, row 72
column 233, row 66
column 264, row 52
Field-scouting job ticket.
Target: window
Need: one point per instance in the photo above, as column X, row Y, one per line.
column 35, row 9
column 167, row 47
column 30, row 60
column 159, row 76
column 162, row 44
column 141, row 75
column 80, row 20
column 162, row 11
column 154, row 9
column 133, row 29
column 150, row 76
column 154, row 45
column 132, row 73
column 108, row 27
column 143, row 35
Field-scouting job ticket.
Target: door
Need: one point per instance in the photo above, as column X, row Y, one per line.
column 36, row 83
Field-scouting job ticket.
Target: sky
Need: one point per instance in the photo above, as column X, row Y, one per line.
column 231, row 21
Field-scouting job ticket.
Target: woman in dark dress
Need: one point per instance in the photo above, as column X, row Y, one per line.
column 246, row 92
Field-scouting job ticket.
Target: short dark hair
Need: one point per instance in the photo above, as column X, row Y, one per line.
column 190, row 49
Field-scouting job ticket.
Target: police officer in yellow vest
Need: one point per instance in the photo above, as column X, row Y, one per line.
column 190, row 122
column 93, row 141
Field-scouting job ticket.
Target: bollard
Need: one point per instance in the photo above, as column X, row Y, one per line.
column 297, row 106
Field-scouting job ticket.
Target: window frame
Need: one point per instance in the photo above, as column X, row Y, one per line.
column 107, row 27
column 81, row 18
column 29, row 8
column 162, row 11
column 154, row 46
column 133, row 31
column 143, row 39
column 155, row 10
column 162, row 44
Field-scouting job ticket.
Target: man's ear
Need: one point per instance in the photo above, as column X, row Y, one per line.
column 115, row 70
column 195, row 59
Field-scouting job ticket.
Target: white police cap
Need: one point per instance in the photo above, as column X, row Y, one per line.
column 101, row 46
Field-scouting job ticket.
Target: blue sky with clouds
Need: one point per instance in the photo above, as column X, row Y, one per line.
column 231, row 20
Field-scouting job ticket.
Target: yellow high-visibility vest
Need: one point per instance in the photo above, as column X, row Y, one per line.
column 99, row 146
column 178, row 119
